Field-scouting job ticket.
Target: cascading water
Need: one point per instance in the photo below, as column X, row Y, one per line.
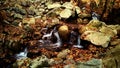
column 95, row 16
column 78, row 43
column 47, row 39
column 59, row 42
column 75, row 39
column 22, row 55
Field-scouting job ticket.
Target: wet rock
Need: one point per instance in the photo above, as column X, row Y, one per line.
column 97, row 38
column 57, row 60
column 69, row 61
column 93, row 63
column 28, row 20
column 23, row 11
column 66, row 13
column 41, row 61
column 18, row 16
column 70, row 66
column 108, row 31
column 115, row 42
column 84, row 15
column 41, row 10
column 109, row 62
column 85, row 21
column 51, row 61
column 78, row 10
column 112, row 58
column 63, row 32
column 69, row 9
column 94, row 25
column 114, row 52
column 15, row 23
column 19, row 10
column 68, row 5
column 79, row 21
column 115, row 27
column 63, row 53
column 22, row 63
column 25, row 3
column 54, row 5
column 54, row 21
column 31, row 12
column 18, row 6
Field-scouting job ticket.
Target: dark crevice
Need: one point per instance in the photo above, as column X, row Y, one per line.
column 104, row 10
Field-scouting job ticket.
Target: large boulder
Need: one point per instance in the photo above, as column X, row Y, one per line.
column 97, row 38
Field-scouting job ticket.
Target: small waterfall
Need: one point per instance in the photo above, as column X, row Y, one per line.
column 46, row 39
column 75, row 39
column 22, row 55
column 47, row 36
column 59, row 42
column 95, row 16
column 73, row 36
column 78, row 43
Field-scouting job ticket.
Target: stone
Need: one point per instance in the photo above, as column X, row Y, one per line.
column 78, row 10
column 94, row 25
column 18, row 6
column 115, row 27
column 18, row 16
column 79, row 21
column 41, row 10
column 19, row 10
column 57, row 60
column 29, row 20
column 97, row 38
column 84, row 15
column 15, row 23
column 112, row 58
column 40, row 61
column 31, row 10
column 66, row 13
column 70, row 66
column 68, row 5
column 69, row 61
column 54, row 5
column 85, row 21
column 25, row 3
column 20, row 63
column 115, row 42
column 63, row 53
column 109, row 63
column 108, row 31
column 93, row 63
column 63, row 32
column 23, row 11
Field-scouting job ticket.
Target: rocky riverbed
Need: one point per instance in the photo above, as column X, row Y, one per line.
column 57, row 34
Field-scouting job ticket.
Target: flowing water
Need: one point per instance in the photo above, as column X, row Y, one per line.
column 22, row 54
